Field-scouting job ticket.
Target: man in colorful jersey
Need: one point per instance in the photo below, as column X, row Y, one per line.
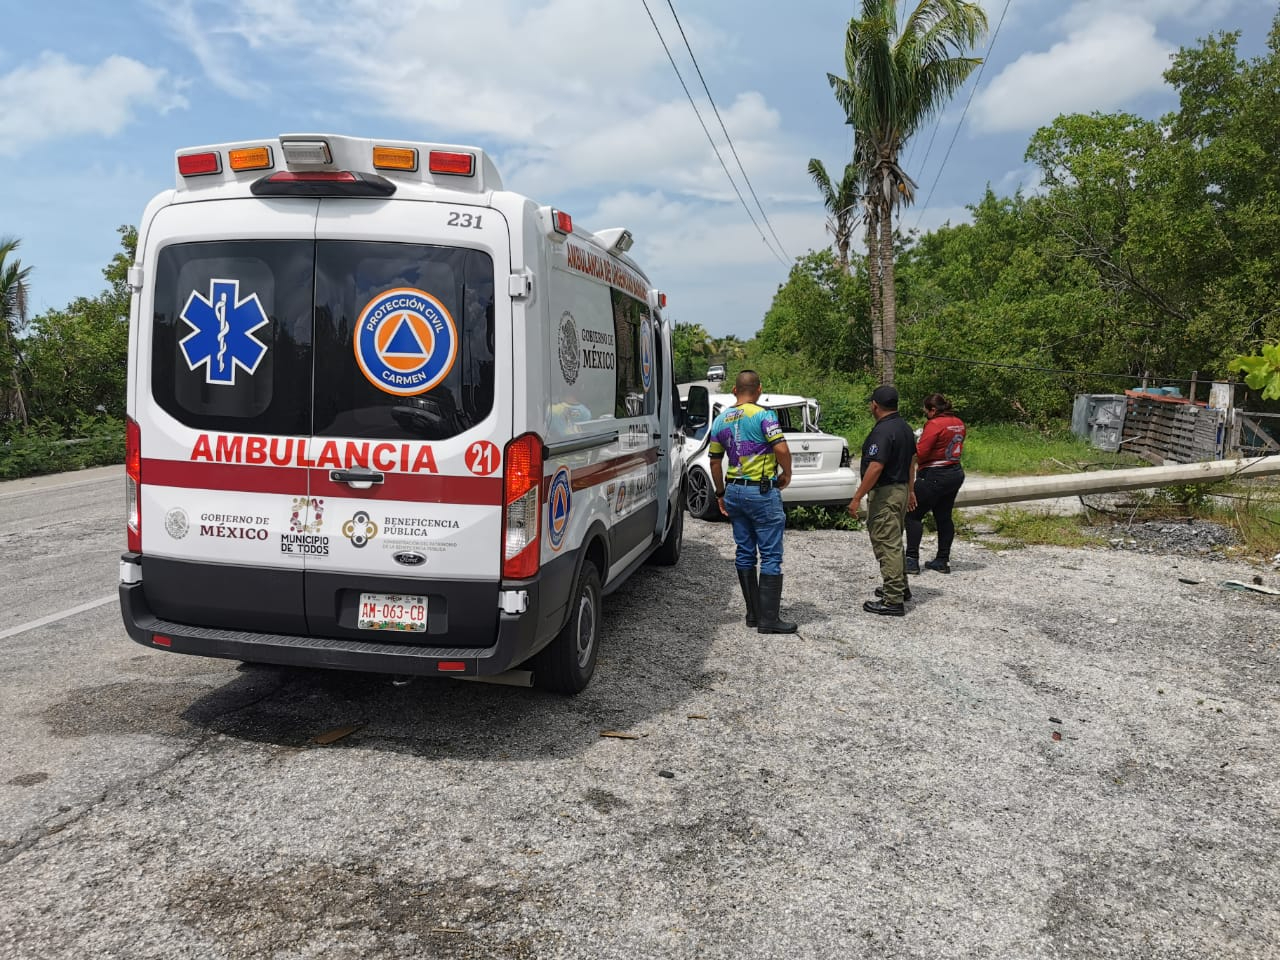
column 750, row 495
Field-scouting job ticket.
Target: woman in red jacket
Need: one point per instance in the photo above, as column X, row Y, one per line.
column 938, row 480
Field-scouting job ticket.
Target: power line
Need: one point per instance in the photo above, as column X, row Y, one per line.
column 725, row 130
column 976, row 80
column 711, row 141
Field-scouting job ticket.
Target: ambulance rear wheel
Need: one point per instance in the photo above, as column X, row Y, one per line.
column 566, row 664
column 701, row 498
column 668, row 555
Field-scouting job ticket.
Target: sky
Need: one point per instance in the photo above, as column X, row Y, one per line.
column 575, row 100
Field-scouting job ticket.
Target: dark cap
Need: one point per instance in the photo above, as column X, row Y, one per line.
column 885, row 397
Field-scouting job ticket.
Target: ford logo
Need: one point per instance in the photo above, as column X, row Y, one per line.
column 410, row 559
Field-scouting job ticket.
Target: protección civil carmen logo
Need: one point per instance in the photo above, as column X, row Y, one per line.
column 406, row 342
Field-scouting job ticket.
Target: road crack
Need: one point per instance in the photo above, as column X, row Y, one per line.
column 68, row 818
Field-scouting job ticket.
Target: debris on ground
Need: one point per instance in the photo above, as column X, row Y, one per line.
column 1196, row 537
column 1254, row 587
column 336, row 734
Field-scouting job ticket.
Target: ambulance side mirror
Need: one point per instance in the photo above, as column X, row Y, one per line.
column 696, row 416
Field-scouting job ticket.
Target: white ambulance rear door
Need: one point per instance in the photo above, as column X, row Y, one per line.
column 412, row 411
column 222, row 401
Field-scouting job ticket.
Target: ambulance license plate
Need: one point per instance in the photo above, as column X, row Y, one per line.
column 393, row 611
column 806, row 459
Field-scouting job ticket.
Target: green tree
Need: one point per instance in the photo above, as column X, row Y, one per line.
column 691, row 349
column 841, row 201
column 14, row 279
column 1179, row 220
column 820, row 316
column 899, row 72
column 77, row 357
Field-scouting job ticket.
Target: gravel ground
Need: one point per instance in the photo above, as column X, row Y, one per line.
column 1057, row 753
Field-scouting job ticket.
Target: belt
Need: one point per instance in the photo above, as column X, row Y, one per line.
column 743, row 481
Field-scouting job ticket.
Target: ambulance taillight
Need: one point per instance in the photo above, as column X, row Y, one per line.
column 133, row 484
column 522, row 507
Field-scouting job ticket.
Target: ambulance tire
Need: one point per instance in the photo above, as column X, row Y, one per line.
column 566, row 664
column 668, row 555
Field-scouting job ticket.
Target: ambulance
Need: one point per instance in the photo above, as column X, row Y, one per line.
column 385, row 415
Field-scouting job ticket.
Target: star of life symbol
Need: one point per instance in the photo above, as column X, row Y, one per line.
column 222, row 332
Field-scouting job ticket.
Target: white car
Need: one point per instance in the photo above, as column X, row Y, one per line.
column 822, row 473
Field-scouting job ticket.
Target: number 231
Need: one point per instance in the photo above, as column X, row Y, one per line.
column 459, row 219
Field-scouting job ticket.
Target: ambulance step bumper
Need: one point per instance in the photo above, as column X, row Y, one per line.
column 515, row 642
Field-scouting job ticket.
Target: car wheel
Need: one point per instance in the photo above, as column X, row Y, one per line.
column 701, row 498
column 566, row 664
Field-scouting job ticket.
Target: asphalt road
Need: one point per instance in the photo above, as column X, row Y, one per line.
column 869, row 788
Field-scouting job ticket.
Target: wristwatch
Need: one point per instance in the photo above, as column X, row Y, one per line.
column 719, row 494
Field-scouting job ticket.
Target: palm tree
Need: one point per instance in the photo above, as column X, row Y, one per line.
column 898, row 75
column 841, row 201
column 13, row 317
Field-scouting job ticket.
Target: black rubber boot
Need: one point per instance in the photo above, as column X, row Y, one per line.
column 770, row 601
column 750, row 594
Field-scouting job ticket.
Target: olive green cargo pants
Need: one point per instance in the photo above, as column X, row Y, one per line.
column 886, row 515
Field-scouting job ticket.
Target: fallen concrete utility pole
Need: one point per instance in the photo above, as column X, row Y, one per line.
column 982, row 491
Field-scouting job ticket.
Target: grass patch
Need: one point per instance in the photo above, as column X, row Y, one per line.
column 821, row 518
column 1013, row 450
column 1015, row 528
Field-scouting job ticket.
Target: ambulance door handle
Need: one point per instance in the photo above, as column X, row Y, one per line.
column 358, row 479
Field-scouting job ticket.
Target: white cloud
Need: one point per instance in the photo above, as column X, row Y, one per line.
column 55, row 98
column 708, row 256
column 553, row 82
column 1101, row 65
column 1190, row 11
column 577, row 102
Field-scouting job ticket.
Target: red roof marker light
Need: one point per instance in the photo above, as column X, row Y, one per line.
column 562, row 222
column 199, row 164
column 458, row 164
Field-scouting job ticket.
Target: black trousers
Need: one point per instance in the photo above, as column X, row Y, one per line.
column 936, row 489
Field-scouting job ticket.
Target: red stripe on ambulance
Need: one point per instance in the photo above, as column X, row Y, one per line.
column 240, row 478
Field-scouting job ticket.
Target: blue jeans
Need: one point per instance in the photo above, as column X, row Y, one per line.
column 758, row 521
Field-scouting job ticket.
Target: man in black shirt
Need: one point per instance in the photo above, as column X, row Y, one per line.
column 888, row 481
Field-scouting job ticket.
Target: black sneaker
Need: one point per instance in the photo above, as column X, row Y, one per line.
column 885, row 609
column 905, row 596
column 913, row 565
column 939, row 566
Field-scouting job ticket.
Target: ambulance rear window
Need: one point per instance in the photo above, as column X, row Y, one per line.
column 404, row 340
column 232, row 334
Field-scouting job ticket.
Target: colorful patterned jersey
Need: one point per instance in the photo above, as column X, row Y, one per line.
column 747, row 433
